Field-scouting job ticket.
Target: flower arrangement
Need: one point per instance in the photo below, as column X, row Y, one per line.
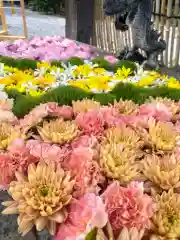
column 47, row 49
column 89, row 171
column 88, row 76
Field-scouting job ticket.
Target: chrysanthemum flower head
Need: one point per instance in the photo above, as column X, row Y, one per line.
column 131, row 234
column 84, row 215
column 162, row 135
column 118, row 162
column 17, row 158
column 128, row 206
column 125, row 136
column 58, row 131
column 166, row 219
column 126, row 107
column 85, row 170
column 84, row 105
column 157, row 110
column 163, row 171
column 41, row 198
column 37, row 114
column 91, row 122
column 8, row 133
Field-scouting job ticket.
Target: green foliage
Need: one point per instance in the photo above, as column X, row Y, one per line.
column 47, row 6
column 13, row 93
column 140, row 94
column 24, row 64
column 92, row 235
column 113, row 67
column 104, row 98
column 76, row 61
column 64, row 95
column 24, row 105
column 21, row 64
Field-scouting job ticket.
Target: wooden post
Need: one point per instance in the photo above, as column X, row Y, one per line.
column 85, row 10
column 71, row 19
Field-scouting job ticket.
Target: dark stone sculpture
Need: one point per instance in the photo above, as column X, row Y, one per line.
column 137, row 14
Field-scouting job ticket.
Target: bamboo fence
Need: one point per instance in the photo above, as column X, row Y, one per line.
column 166, row 17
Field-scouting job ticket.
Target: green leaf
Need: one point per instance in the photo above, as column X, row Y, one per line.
column 92, row 235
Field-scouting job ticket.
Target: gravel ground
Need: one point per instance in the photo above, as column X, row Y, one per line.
column 37, row 25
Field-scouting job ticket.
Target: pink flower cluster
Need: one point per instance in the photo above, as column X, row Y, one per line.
column 96, row 199
column 48, row 48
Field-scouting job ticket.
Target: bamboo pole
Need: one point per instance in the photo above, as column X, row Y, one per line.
column 177, row 30
column 161, row 25
column 4, row 33
column 3, row 19
column 24, row 18
column 167, row 29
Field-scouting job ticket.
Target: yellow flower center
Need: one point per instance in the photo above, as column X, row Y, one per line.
column 171, row 219
column 43, row 190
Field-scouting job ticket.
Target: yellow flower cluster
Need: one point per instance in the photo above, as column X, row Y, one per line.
column 88, row 77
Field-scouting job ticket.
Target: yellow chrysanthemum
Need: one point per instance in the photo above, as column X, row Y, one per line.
column 45, row 65
column 123, row 136
column 19, row 87
column 145, row 81
column 43, row 81
column 80, row 84
column 162, row 135
column 35, row 93
column 58, row 131
column 118, row 162
column 84, row 105
column 163, row 171
column 173, row 83
column 41, row 198
column 126, row 107
column 6, row 80
column 8, row 133
column 99, row 71
column 99, row 83
column 10, row 69
column 17, row 78
column 82, row 70
column 123, row 72
column 166, row 219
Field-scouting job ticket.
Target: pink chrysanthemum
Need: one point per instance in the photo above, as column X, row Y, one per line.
column 44, row 110
column 91, row 122
column 6, row 113
column 85, row 170
column 83, row 215
column 85, row 141
column 111, row 116
column 137, row 121
column 17, row 158
column 47, row 152
column 65, row 112
column 157, row 110
column 128, row 207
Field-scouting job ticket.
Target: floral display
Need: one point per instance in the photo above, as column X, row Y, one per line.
column 90, row 171
column 48, row 48
column 88, row 76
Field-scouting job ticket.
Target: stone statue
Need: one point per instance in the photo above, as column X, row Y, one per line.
column 137, row 14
